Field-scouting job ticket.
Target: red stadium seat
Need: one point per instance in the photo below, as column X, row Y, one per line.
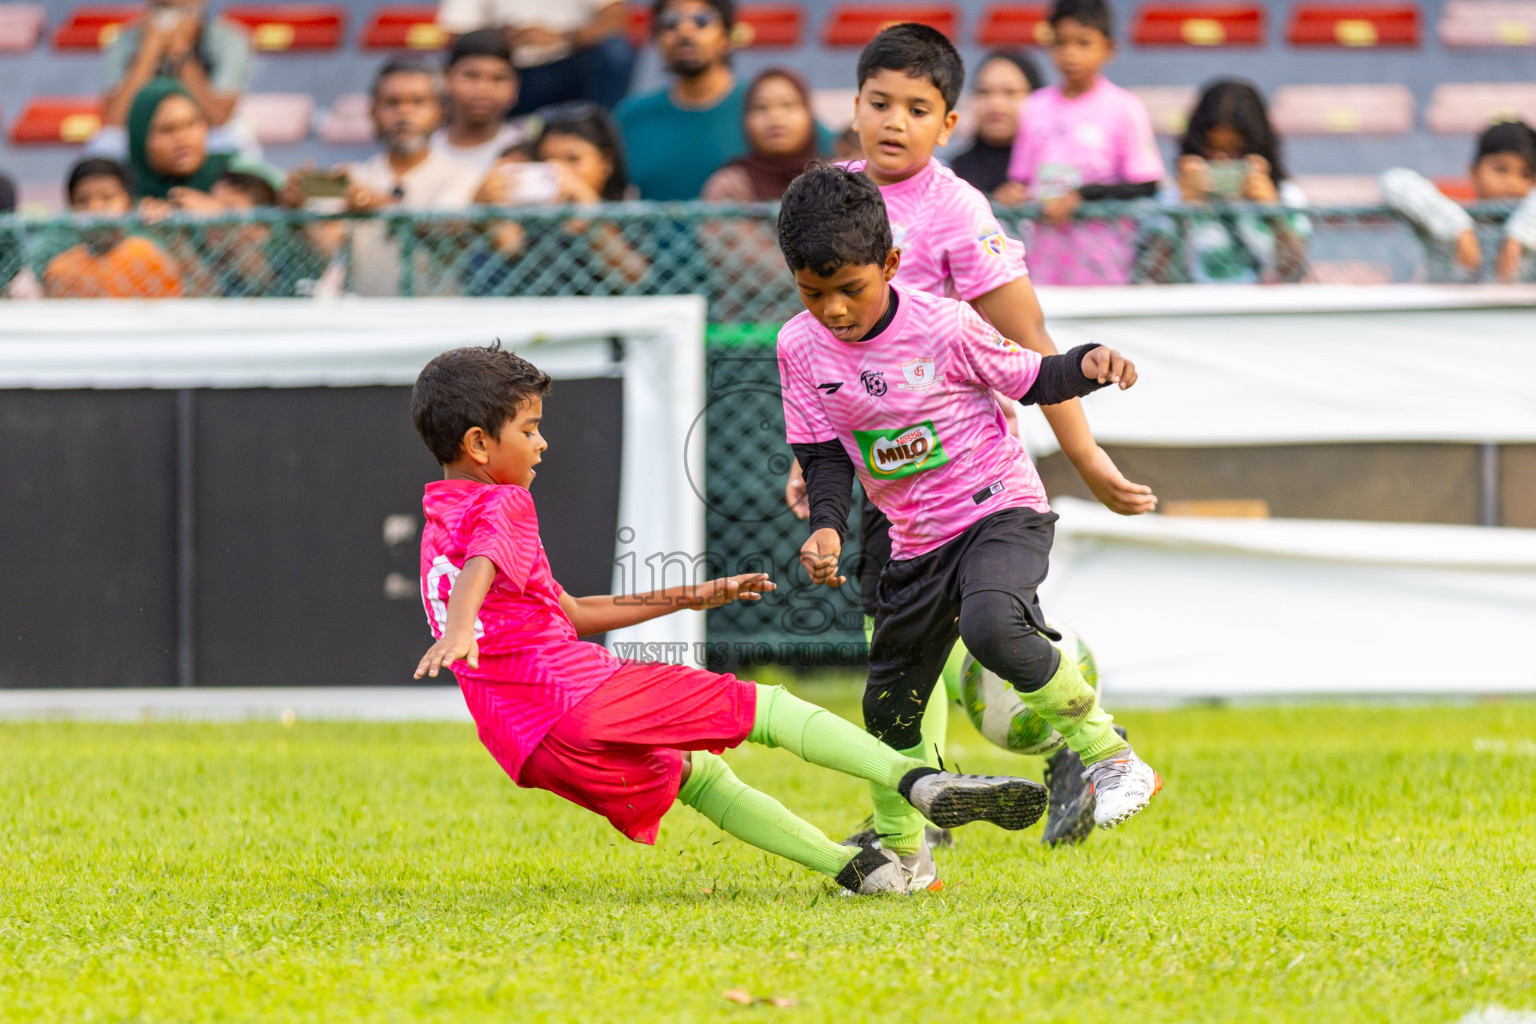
column 20, row 27
column 1466, row 108
column 404, row 28
column 57, row 119
column 1168, row 106
column 1014, row 25
column 279, row 27
column 757, row 25
column 857, row 24
column 1387, row 24
column 1488, row 23
column 93, row 28
column 1198, row 25
column 1342, row 110
column 1459, row 189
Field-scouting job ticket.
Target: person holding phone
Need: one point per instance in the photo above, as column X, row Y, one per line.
column 1229, row 162
column 210, row 57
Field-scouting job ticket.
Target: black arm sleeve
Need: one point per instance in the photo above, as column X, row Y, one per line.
column 1060, row 378
column 828, row 484
column 1141, row 190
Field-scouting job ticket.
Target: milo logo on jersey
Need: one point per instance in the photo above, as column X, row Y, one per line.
column 893, row 454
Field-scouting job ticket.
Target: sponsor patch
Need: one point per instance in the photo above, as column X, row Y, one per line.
column 994, row 242
column 893, row 454
column 1005, row 344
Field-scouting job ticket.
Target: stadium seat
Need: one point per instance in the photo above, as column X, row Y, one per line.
column 1458, row 188
column 1340, row 189
column 757, row 25
column 279, row 27
column 1488, row 23
column 347, row 122
column 1169, row 106
column 857, row 24
column 1202, row 24
column 1387, row 24
column 57, row 119
column 404, row 28
column 1014, row 25
column 278, row 118
column 1342, row 110
column 20, row 27
column 93, row 27
column 834, row 107
column 1466, row 108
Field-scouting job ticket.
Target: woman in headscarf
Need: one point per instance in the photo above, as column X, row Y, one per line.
column 168, row 142
column 781, row 138
column 1004, row 80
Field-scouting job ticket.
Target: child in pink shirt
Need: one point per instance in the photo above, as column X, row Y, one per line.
column 1083, row 138
column 622, row 739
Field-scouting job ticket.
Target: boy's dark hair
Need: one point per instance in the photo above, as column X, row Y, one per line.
column 483, row 42
column 255, row 188
column 405, row 66
column 917, row 51
column 98, row 167
column 471, row 387
column 831, row 218
column 1508, row 137
column 1092, row 13
column 1235, row 104
column 725, row 8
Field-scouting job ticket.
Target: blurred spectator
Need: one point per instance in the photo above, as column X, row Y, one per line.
column 580, row 159
column 1503, row 170
column 256, row 259
column 848, row 145
column 210, row 56
column 408, row 175
column 780, row 132
column 482, row 87
column 1001, row 85
column 10, row 243
column 1083, row 138
column 168, row 142
column 108, row 263
column 679, row 135
column 566, row 51
column 1229, row 153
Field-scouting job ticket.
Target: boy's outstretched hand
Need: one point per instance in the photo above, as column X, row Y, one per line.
column 445, row 652
column 749, row 586
column 819, row 555
column 1107, row 366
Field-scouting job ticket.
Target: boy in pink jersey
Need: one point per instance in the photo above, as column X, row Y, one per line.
column 622, row 739
column 900, row 383
column 910, row 77
column 1083, row 138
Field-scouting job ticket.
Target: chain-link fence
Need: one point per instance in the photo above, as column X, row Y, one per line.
column 727, row 254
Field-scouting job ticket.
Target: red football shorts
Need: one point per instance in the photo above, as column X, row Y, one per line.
column 620, row 752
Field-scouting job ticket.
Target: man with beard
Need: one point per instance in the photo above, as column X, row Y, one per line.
column 408, row 174
column 677, row 137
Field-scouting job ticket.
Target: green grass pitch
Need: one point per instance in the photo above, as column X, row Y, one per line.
column 1310, row 864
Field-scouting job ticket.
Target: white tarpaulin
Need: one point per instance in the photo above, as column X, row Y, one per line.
column 1180, row 608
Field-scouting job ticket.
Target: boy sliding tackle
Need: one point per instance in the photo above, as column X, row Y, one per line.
column 622, row 739
column 970, row 525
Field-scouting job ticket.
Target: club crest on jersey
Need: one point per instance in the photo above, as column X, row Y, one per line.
column 893, row 454
column 994, row 242
column 874, row 382
column 918, row 373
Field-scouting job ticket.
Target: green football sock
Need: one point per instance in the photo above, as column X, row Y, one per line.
column 1072, row 708
column 897, row 822
column 816, row 735
column 753, row 817
column 951, row 673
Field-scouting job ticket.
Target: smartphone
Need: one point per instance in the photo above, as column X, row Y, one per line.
column 532, row 183
column 324, row 184
column 1227, row 177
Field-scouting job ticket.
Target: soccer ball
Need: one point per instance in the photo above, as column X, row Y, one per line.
column 997, row 712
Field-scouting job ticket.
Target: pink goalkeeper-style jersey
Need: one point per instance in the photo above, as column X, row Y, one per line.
column 913, row 408
column 1103, row 137
column 950, row 241
column 533, row 669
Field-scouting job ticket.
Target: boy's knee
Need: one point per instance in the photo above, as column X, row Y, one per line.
column 999, row 635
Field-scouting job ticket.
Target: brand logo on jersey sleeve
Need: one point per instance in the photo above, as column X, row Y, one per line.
column 830, row 388
column 994, row 242
column 918, row 373
column 1005, row 344
column 891, row 455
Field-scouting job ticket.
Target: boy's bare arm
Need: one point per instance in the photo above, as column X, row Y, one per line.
column 458, row 641
column 1015, row 311
column 592, row 615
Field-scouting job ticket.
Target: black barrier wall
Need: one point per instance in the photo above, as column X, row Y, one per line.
column 251, row 537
